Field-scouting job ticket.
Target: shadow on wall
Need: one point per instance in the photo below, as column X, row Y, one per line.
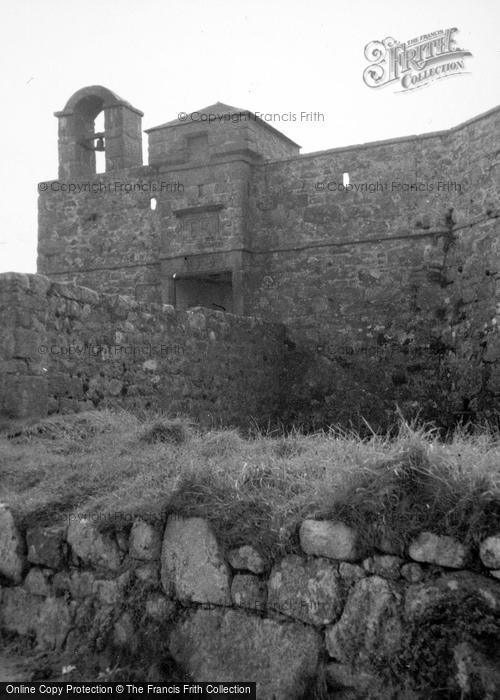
column 369, row 389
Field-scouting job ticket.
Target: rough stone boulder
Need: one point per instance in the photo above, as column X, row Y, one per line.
column 81, row 584
column 46, row 545
column 192, row 566
column 385, row 565
column 236, row 646
column 145, row 541
column 36, row 582
column 93, row 547
column 412, row 572
column 350, row 573
column 248, row 591
column 12, row 549
column 19, row 610
column 54, row 623
column 370, row 626
column 325, row 538
column 438, row 549
column 489, row 552
column 246, row 558
column 307, row 590
column 124, row 632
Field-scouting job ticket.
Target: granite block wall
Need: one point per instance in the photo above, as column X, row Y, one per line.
column 333, row 265
column 388, row 289
column 390, row 295
column 68, row 348
column 105, row 235
column 338, row 264
column 418, row 623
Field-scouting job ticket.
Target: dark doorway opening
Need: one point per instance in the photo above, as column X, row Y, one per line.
column 213, row 291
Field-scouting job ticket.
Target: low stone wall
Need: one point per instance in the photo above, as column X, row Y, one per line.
column 65, row 348
column 387, row 625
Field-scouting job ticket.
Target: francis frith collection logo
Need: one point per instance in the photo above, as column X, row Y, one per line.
column 414, row 63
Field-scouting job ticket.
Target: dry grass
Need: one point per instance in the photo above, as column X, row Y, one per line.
column 253, row 490
column 174, row 432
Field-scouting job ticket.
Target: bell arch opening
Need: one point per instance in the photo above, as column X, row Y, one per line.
column 98, row 132
column 100, row 143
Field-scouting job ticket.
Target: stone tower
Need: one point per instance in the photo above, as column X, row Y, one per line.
column 121, row 140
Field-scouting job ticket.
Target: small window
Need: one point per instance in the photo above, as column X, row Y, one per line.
column 345, row 179
column 153, row 202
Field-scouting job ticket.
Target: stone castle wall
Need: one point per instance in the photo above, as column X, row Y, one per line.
column 330, row 617
column 391, row 297
column 327, row 263
column 66, row 348
column 382, row 289
column 343, row 264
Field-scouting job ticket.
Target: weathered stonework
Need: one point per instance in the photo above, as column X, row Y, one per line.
column 310, row 591
column 246, row 558
column 192, row 566
column 389, row 292
column 231, row 645
column 248, row 591
column 12, row 547
column 145, row 541
column 91, row 546
column 370, row 626
column 302, row 622
column 65, row 348
column 325, row 538
column 45, row 546
column 490, row 552
column 438, row 549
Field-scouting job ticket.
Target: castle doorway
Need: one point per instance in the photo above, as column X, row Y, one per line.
column 213, row 291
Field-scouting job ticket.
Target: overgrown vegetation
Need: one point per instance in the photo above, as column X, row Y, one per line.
column 429, row 660
column 174, row 432
column 255, row 489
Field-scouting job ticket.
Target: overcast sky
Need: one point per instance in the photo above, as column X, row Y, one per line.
column 281, row 56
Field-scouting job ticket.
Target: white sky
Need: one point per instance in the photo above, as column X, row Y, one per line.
column 267, row 56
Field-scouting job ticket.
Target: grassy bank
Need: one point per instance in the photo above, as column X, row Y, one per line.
column 255, row 489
